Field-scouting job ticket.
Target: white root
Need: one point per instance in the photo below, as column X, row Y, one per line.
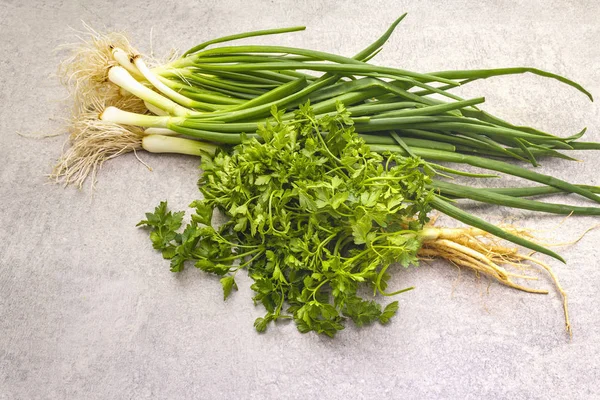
column 93, row 142
column 92, row 72
column 85, row 71
column 170, row 144
column 478, row 250
column 125, row 60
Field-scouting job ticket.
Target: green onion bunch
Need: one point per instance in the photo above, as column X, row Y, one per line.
column 216, row 94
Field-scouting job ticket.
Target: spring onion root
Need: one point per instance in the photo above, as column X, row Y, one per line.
column 93, row 141
column 85, row 71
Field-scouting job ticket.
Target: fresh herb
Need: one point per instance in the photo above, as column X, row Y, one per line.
column 317, row 219
column 314, row 215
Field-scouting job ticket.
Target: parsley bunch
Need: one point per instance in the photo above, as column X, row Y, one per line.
column 313, row 215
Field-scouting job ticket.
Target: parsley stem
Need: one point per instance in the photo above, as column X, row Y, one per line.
column 315, row 290
column 246, row 263
column 238, row 256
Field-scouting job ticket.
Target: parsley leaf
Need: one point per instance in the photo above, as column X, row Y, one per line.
column 312, row 214
column 388, row 312
column 163, row 225
column 228, row 284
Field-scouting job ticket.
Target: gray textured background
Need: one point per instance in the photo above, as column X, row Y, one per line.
column 89, row 311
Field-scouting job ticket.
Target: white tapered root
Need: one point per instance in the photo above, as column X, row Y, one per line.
column 118, row 116
column 125, row 60
column 480, row 251
column 155, row 110
column 100, row 75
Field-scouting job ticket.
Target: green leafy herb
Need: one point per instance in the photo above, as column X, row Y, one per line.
column 164, row 226
column 314, row 215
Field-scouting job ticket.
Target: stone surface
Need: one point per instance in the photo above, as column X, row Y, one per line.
column 89, row 311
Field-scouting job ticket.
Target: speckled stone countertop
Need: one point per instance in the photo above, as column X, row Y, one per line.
column 89, row 311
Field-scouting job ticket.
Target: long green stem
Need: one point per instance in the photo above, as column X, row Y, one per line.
column 487, row 73
column 244, row 35
column 487, row 196
column 494, row 165
column 476, row 222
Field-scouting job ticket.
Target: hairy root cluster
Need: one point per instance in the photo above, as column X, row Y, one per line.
column 85, row 71
column 480, row 251
column 92, row 142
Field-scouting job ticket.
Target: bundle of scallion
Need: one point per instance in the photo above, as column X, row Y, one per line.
column 215, row 97
column 210, row 97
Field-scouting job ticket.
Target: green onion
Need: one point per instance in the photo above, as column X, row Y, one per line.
column 220, row 94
